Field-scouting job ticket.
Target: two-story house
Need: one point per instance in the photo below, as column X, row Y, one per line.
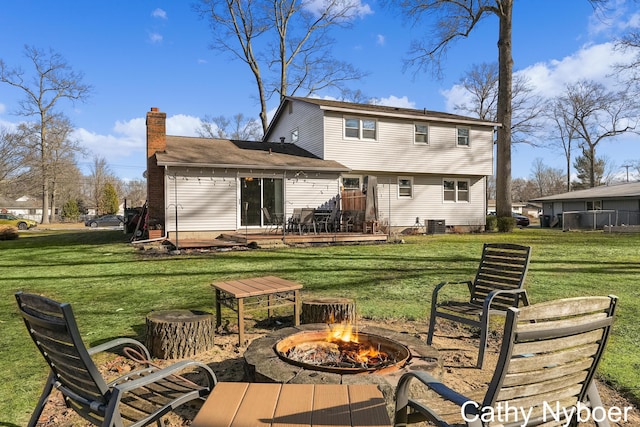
column 426, row 164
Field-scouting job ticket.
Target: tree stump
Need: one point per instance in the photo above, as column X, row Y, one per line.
column 328, row 310
column 178, row 334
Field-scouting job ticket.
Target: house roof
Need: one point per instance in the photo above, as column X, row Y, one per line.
column 21, row 203
column 224, row 153
column 380, row 110
column 616, row 191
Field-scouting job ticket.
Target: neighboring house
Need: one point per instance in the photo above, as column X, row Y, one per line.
column 622, row 200
column 23, row 207
column 427, row 165
column 525, row 208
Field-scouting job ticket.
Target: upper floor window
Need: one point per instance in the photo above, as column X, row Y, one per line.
column 463, row 136
column 421, row 133
column 405, row 187
column 455, row 190
column 294, row 135
column 360, row 128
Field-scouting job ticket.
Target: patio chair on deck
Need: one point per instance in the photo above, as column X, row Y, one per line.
column 136, row 399
column 273, row 222
column 497, row 286
column 294, row 220
column 307, row 220
column 549, row 355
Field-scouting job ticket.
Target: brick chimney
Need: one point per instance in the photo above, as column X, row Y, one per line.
column 156, row 141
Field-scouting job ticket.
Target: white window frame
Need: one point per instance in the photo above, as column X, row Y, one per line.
column 596, row 205
column 409, row 179
column 361, row 130
column 456, row 190
column 295, row 135
column 416, row 133
column 467, row 137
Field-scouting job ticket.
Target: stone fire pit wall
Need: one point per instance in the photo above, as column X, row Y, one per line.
column 262, row 364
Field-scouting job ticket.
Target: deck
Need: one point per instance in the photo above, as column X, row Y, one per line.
column 278, row 239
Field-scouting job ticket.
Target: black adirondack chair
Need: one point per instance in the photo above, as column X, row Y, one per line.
column 137, row 399
column 497, row 286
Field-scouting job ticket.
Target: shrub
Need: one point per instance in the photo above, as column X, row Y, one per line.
column 8, row 232
column 492, row 223
column 506, row 224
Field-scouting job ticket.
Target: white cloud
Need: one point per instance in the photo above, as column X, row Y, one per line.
column 549, row 79
column 159, row 13
column 394, row 101
column 126, row 145
column 183, row 125
column 358, row 9
column 3, row 108
column 457, row 95
column 155, row 38
column 380, row 40
column 592, row 62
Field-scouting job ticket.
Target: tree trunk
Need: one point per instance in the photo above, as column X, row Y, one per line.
column 505, row 77
column 328, row 310
column 177, row 334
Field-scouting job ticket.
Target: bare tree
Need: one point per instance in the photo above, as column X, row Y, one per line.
column 239, row 128
column 293, row 37
column 523, row 190
column 547, row 180
column 135, row 192
column 598, row 114
column 100, row 175
column 11, row 158
column 481, row 82
column 54, row 80
column 630, row 71
column 62, row 156
column 564, row 132
column 456, row 19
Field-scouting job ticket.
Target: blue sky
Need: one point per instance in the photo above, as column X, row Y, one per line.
column 143, row 54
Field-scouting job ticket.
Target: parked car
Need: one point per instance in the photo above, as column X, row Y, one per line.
column 521, row 220
column 20, row 223
column 105, row 221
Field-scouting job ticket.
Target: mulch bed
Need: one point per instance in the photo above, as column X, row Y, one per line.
column 456, row 345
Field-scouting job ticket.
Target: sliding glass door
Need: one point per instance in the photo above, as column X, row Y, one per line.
column 256, row 193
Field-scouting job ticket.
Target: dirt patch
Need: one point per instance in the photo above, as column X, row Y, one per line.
column 457, row 348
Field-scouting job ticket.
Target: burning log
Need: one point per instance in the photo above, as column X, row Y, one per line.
column 340, row 354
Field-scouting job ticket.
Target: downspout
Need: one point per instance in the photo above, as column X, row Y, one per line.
column 284, row 207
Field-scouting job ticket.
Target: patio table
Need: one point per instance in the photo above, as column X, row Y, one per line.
column 233, row 404
column 246, row 295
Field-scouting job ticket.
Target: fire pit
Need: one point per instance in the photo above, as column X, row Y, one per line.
column 342, row 351
column 266, row 359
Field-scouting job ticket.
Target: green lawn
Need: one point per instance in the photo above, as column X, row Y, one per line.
column 113, row 286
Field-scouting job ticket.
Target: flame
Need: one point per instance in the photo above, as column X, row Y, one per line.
column 343, row 332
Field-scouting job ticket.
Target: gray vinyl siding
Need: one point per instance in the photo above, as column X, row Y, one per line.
column 210, row 199
column 395, row 151
column 428, row 202
column 205, row 200
column 312, row 191
column 308, row 119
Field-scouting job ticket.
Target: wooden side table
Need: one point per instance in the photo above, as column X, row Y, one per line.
column 246, row 295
